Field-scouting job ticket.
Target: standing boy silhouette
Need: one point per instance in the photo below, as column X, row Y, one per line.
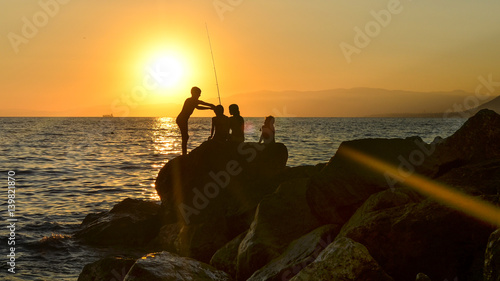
column 190, row 105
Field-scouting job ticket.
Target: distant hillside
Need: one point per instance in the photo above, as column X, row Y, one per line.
column 356, row 102
column 494, row 105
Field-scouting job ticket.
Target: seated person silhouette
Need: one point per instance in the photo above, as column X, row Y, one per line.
column 237, row 124
column 220, row 125
column 190, row 105
column 268, row 131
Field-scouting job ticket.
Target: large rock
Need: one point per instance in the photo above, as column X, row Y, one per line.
column 280, row 218
column 297, row 255
column 213, row 193
column 344, row 259
column 198, row 241
column 165, row 266
column 477, row 140
column 345, row 183
column 226, row 257
column 492, row 258
column 201, row 241
column 131, row 222
column 407, row 235
column 106, row 269
column 204, row 179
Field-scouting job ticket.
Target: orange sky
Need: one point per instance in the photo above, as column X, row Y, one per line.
column 88, row 58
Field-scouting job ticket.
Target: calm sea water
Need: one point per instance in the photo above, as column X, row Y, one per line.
column 67, row 168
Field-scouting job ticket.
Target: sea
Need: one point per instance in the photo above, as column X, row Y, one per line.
column 65, row 168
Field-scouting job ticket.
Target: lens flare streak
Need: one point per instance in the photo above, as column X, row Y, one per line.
column 452, row 198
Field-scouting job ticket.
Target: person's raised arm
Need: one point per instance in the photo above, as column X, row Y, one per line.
column 204, row 105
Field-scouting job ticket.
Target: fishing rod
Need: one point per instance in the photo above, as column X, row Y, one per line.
column 213, row 62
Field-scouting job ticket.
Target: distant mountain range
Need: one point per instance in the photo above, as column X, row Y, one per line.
column 493, row 104
column 356, row 102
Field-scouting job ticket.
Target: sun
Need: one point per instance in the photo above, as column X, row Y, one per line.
column 167, row 71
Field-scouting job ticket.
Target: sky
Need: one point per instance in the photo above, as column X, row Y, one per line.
column 89, row 58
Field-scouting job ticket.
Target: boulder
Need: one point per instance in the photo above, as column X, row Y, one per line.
column 492, row 258
column 198, row 241
column 477, row 140
column 422, row 277
column 131, row 222
column 479, row 178
column 167, row 238
column 214, row 171
column 109, row 268
column 344, row 259
column 164, row 266
column 225, row 258
column 280, row 218
column 409, row 236
column 213, row 192
column 297, row 255
column 345, row 183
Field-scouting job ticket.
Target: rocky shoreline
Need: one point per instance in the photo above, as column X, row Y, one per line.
column 237, row 212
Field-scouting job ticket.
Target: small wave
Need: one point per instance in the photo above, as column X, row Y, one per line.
column 129, row 167
column 54, row 239
column 43, row 226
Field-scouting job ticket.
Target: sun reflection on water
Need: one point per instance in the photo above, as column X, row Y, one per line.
column 166, row 138
column 166, row 144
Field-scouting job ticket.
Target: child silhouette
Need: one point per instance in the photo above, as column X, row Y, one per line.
column 237, row 124
column 220, row 125
column 190, row 105
column 268, row 131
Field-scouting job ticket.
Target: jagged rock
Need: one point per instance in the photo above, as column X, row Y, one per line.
column 280, row 218
column 297, row 255
column 475, row 178
column 409, row 236
column 164, row 266
column 167, row 238
column 109, row 268
column 477, row 140
column 422, row 277
column 344, row 184
column 201, row 241
column 344, row 259
column 492, row 258
column 225, row 258
column 131, row 222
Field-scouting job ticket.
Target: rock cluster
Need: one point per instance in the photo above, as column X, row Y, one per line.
column 233, row 212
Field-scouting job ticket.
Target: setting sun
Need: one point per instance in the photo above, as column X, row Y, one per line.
column 167, row 71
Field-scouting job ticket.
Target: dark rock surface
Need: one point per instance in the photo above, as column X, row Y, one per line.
column 106, row 269
column 344, row 259
column 226, row 257
column 492, row 258
column 344, row 184
column 476, row 141
column 214, row 190
column 165, row 266
column 280, row 218
column 130, row 223
column 407, row 237
column 297, row 255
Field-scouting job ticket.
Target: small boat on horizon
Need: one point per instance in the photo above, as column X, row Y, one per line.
column 107, row 115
